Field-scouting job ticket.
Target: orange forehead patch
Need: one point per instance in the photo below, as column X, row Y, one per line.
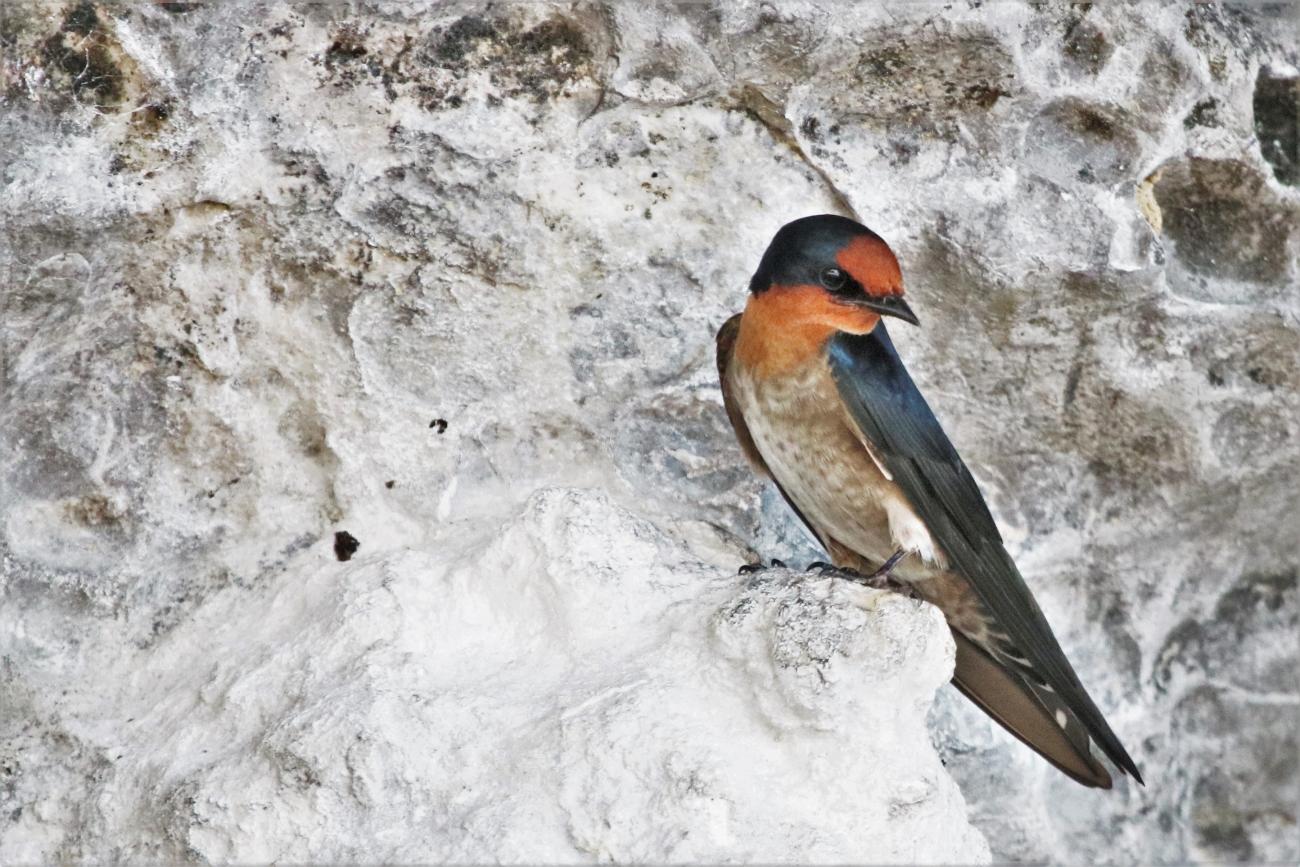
column 870, row 261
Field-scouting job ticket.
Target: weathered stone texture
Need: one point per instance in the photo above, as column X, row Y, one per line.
column 273, row 271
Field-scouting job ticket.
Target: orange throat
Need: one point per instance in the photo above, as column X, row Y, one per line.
column 785, row 328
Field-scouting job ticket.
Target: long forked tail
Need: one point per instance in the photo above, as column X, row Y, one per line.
column 1037, row 717
column 1029, row 711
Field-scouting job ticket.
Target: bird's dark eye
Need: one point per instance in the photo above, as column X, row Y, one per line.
column 834, row 279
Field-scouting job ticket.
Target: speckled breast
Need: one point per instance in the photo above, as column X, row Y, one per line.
column 797, row 422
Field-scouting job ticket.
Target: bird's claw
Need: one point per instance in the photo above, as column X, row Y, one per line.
column 878, row 582
column 881, row 579
column 751, row 568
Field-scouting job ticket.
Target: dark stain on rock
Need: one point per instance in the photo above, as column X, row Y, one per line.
column 902, row 151
column 439, row 425
column 81, row 18
column 933, row 85
column 462, row 37
column 1220, row 828
column 1272, row 590
column 1178, row 649
column 1270, row 379
column 1074, row 139
column 152, row 117
column 1132, row 448
column 983, row 95
column 1072, row 384
column 537, row 63
column 1256, row 605
column 1086, row 48
column 936, row 75
column 302, row 425
column 1277, row 123
column 94, row 510
column 1224, row 223
column 884, row 62
column 1204, row 113
column 348, row 61
column 345, row 47
column 1095, row 123
column 79, row 51
column 557, row 37
column 557, row 48
column 345, row 545
column 1267, row 355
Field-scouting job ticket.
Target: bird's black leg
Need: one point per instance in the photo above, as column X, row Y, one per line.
column 881, row 579
column 882, row 574
column 750, row 568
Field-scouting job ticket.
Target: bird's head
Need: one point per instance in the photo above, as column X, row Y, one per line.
column 834, row 271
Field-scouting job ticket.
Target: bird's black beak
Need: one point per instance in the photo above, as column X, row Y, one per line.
column 891, row 305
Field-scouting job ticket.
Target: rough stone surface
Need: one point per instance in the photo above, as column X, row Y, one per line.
column 579, row 686
column 424, row 274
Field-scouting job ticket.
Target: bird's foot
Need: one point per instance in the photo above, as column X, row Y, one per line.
column 881, row 579
column 751, row 568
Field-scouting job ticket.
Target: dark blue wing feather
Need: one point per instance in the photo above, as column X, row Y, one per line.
column 889, row 410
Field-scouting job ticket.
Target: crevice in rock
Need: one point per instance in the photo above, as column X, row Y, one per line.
column 757, row 105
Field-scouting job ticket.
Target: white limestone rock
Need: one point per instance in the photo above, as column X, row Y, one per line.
column 270, row 272
column 578, row 686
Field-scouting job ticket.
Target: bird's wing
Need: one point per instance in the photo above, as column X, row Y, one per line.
column 1026, row 712
column 726, row 341
column 891, row 413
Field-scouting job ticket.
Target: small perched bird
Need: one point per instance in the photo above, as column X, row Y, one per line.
column 823, row 405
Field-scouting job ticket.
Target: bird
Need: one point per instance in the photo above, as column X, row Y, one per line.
column 823, row 405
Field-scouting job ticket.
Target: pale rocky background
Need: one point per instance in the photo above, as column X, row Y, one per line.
column 445, row 277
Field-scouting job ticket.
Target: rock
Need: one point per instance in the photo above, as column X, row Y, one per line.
column 411, row 274
column 1232, row 239
column 1276, row 104
column 580, row 685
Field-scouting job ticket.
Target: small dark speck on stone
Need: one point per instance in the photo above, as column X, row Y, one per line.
column 342, row 49
column 654, row 174
column 389, row 484
column 345, row 545
column 1204, row 113
column 438, row 424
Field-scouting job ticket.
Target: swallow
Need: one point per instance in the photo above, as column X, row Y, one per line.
column 823, row 405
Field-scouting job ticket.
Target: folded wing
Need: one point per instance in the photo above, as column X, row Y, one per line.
column 893, row 416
